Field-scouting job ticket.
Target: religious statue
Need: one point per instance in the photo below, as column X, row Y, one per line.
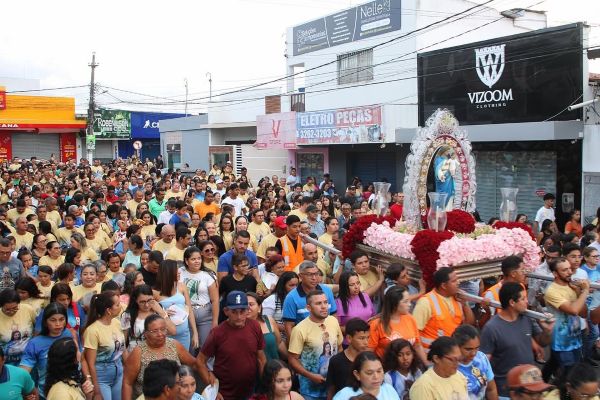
column 445, row 166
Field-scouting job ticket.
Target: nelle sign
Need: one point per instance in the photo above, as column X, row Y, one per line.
column 489, row 64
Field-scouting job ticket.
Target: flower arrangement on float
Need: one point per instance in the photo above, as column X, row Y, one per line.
column 462, row 242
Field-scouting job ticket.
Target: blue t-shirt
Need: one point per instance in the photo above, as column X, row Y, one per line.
column 386, row 392
column 593, row 276
column 294, row 305
column 175, row 218
column 479, row 374
column 36, row 356
column 225, row 265
column 15, row 383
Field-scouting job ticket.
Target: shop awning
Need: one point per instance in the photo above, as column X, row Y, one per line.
column 39, row 113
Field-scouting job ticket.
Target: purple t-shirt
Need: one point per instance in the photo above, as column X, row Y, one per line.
column 356, row 309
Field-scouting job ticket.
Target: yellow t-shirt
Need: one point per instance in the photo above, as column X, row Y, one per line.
column 268, row 241
column 299, row 214
column 178, row 195
column 175, row 254
column 88, row 254
column 99, row 243
column 259, row 232
column 36, row 304
column 308, row 339
column 64, row 235
column 148, row 230
column 228, row 240
column 36, row 223
column 55, row 217
column 163, row 247
column 25, row 240
column 15, row 332
column 431, row 386
column 107, row 340
column 326, row 238
column 80, row 291
column 45, row 290
column 12, row 214
column 132, row 205
column 367, row 280
column 62, row 391
column 556, row 295
column 54, row 264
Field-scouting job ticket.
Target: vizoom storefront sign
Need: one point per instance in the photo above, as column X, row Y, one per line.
column 371, row 19
column 346, row 125
column 521, row 78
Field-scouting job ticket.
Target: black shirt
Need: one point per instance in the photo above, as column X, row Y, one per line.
column 339, row 372
column 149, row 277
column 229, row 284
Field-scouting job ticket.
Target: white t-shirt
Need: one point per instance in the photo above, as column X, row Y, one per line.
column 544, row 213
column 164, row 217
column 237, row 203
column 197, row 284
column 269, row 279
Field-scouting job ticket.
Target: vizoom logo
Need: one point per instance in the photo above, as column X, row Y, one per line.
column 149, row 124
column 489, row 63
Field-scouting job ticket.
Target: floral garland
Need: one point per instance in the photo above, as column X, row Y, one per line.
column 513, row 225
column 425, row 246
column 356, row 233
column 460, row 221
column 382, row 237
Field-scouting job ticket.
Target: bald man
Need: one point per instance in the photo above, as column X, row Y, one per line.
column 22, row 237
column 167, row 240
column 311, row 253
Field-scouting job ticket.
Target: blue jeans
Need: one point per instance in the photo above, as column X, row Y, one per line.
column 110, row 379
column 567, row 358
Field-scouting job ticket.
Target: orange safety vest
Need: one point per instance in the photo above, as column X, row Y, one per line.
column 495, row 291
column 442, row 322
column 291, row 256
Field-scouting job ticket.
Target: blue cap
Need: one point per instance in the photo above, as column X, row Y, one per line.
column 236, row 300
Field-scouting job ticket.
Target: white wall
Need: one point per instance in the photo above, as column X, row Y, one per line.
column 262, row 163
column 402, row 72
column 251, row 104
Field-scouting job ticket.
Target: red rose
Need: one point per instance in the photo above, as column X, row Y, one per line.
column 424, row 246
column 460, row 221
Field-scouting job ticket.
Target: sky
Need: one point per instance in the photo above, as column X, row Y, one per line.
column 152, row 47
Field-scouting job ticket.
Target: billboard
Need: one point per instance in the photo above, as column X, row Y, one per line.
column 276, row 131
column 367, row 20
column 144, row 125
column 340, row 126
column 112, row 124
column 529, row 77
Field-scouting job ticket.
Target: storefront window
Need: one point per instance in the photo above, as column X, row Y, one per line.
column 310, row 164
column 174, row 155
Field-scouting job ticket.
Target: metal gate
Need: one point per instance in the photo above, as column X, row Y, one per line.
column 42, row 146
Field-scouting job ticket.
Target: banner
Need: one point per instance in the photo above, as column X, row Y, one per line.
column 68, row 147
column 371, row 19
column 5, row 146
column 345, row 125
column 112, row 124
column 90, row 142
column 276, row 131
column 144, row 125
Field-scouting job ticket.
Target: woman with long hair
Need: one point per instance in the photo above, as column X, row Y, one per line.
column 134, row 254
column 30, row 294
column 276, row 383
column 367, row 377
column 209, row 253
column 76, row 318
column 580, row 383
column 26, row 259
column 73, row 256
column 155, row 346
column 187, row 384
column 149, row 225
column 547, row 229
column 241, row 224
column 274, row 268
column 54, row 257
column 87, row 253
column 88, row 282
column 574, row 223
column 443, row 380
column 200, row 235
column 104, row 345
column 226, row 231
column 64, row 379
column 328, row 205
column 352, row 302
column 273, row 343
column 141, row 305
column 201, row 283
column 54, row 327
column 174, row 297
column 402, row 366
column 395, row 321
column 273, row 305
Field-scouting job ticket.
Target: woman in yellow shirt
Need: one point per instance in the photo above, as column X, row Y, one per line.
column 88, row 283
column 64, row 381
column 226, row 231
column 30, row 294
column 241, row 224
column 148, row 228
column 104, row 344
column 87, row 253
column 53, row 259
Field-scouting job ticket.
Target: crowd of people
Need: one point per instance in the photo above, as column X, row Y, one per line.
column 126, row 281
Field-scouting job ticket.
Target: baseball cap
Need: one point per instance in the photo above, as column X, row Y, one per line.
column 528, row 377
column 280, row 222
column 311, row 208
column 219, row 181
column 236, row 300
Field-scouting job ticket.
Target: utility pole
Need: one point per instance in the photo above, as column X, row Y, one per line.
column 186, row 95
column 91, row 109
column 209, row 76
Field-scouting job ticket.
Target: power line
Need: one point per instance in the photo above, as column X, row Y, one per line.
column 48, row 89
